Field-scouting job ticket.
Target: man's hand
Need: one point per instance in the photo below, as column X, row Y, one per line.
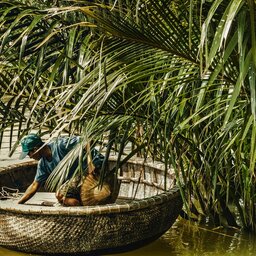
column 31, row 190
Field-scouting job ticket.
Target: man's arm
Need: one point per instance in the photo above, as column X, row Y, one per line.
column 31, row 190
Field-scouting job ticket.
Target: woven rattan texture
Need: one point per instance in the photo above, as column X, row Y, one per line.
column 88, row 233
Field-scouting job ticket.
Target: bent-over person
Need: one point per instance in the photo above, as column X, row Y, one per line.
column 49, row 155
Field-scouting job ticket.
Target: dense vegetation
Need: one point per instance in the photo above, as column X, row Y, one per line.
column 173, row 79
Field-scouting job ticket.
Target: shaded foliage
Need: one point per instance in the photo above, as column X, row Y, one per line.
column 173, row 80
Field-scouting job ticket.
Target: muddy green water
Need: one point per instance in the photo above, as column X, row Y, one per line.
column 188, row 239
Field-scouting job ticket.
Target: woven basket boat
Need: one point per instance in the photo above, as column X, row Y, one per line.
column 143, row 211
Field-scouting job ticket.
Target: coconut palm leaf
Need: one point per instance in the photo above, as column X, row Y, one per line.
column 186, row 90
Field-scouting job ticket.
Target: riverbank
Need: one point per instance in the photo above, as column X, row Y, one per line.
column 5, row 149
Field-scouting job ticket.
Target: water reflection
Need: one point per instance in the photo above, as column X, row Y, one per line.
column 189, row 239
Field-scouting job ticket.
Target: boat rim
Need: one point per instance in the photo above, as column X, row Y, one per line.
column 128, row 206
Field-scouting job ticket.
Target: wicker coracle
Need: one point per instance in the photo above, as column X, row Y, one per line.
column 143, row 211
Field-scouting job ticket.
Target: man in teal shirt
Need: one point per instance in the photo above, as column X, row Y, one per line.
column 49, row 155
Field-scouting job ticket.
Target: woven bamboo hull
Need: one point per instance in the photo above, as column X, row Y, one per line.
column 93, row 229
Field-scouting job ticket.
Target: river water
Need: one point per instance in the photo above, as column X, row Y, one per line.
column 183, row 238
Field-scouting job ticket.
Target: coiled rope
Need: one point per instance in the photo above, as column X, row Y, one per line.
column 9, row 193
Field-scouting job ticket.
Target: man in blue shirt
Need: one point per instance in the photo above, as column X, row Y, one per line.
column 49, row 155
